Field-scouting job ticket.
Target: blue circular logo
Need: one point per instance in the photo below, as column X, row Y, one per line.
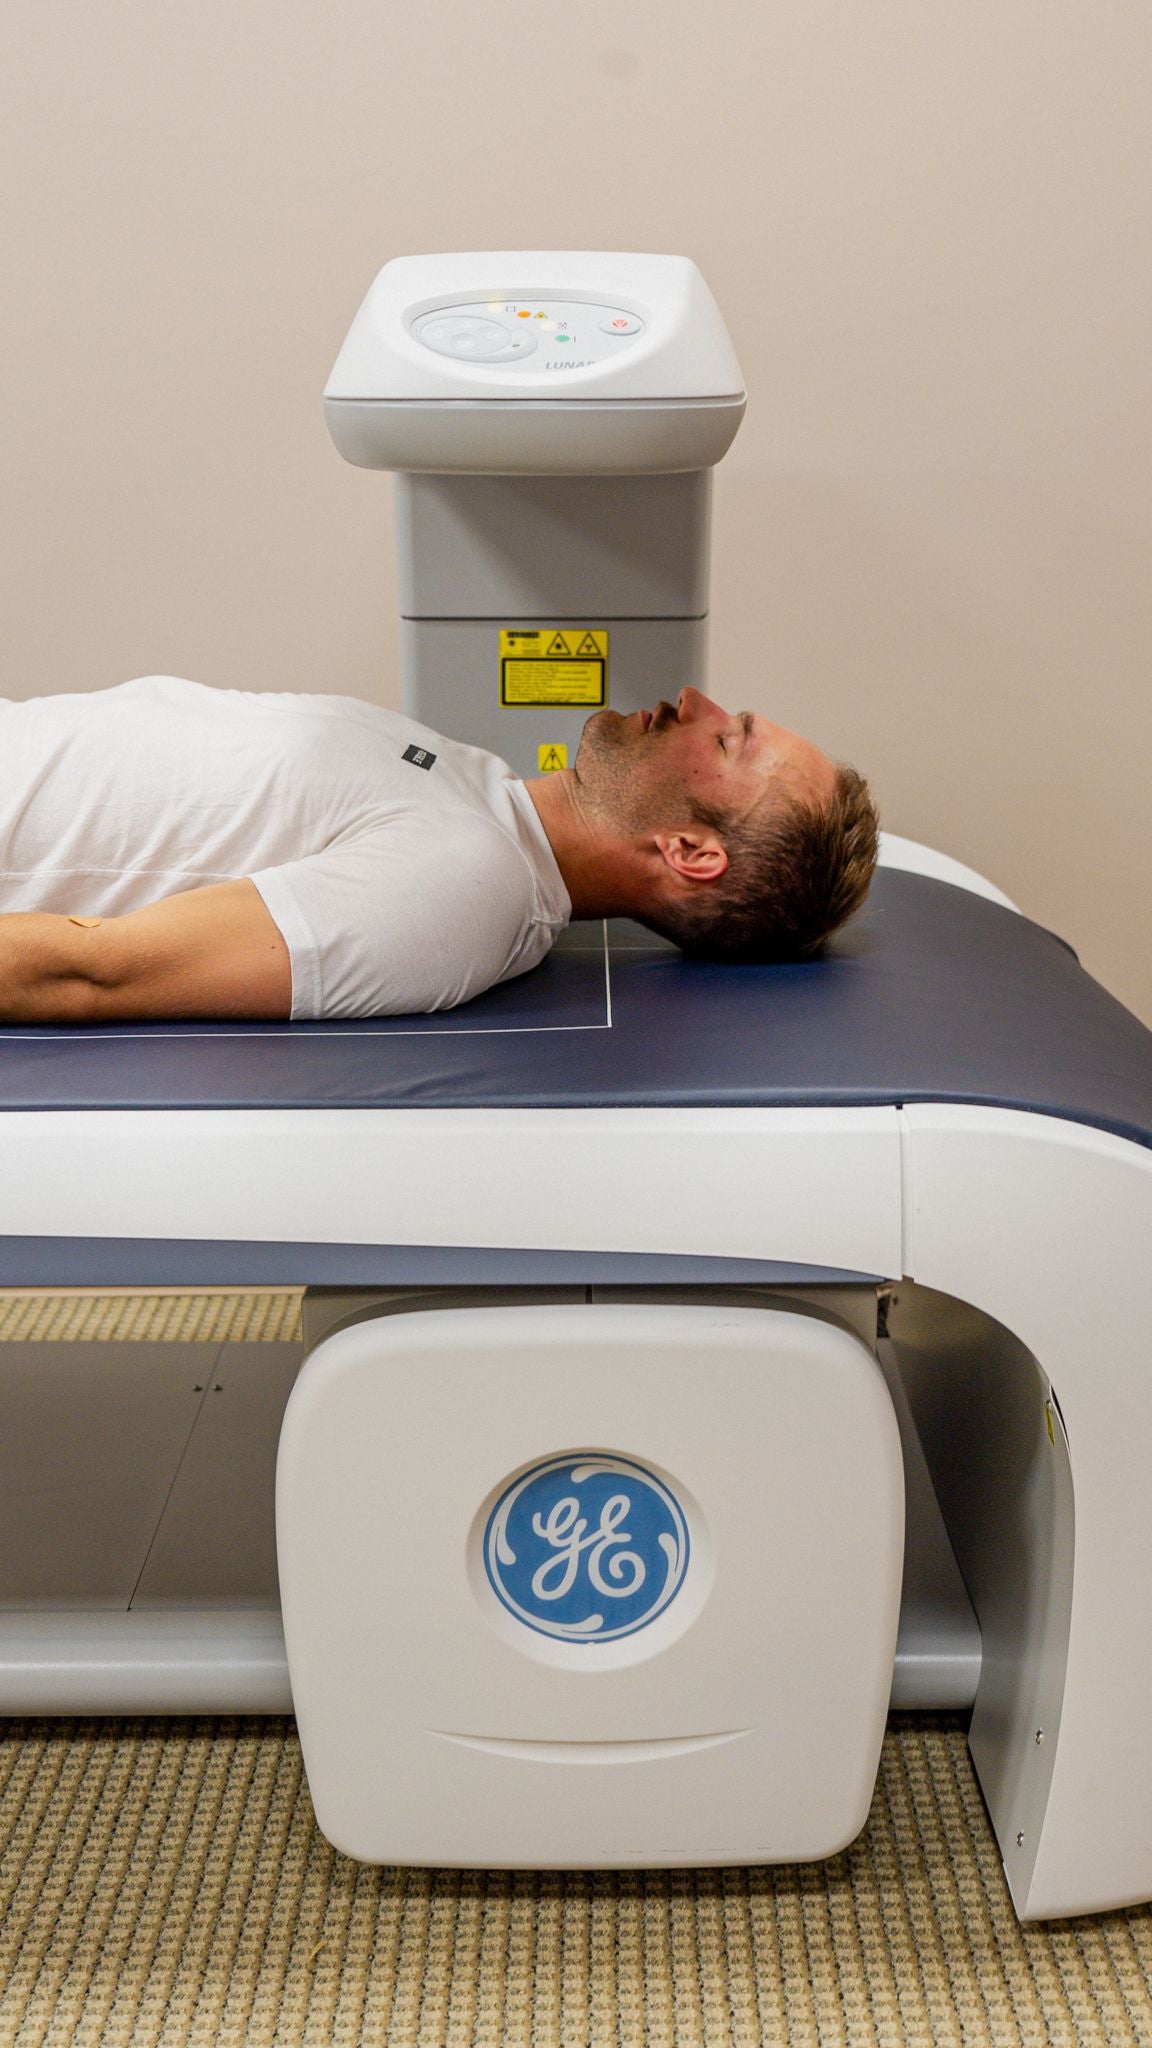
column 586, row 1548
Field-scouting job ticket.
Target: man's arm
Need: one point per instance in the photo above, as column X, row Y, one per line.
column 211, row 952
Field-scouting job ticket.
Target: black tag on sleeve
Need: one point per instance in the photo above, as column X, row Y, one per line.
column 419, row 756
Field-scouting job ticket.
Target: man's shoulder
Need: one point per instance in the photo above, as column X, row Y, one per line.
column 464, row 837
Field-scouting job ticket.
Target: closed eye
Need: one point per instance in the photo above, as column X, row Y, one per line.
column 722, row 738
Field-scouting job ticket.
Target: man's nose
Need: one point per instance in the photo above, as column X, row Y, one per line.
column 692, row 704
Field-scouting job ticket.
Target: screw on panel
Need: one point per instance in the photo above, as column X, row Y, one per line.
column 217, row 1390
column 1039, row 1735
column 1020, row 1839
column 197, row 1390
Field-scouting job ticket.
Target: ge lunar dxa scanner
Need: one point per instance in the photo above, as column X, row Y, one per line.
column 697, row 1359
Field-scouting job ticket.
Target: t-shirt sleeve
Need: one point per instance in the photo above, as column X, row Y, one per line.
column 415, row 915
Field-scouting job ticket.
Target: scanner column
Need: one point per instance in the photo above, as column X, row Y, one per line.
column 529, row 602
column 553, row 418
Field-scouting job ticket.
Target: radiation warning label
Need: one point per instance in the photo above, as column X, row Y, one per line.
column 554, row 665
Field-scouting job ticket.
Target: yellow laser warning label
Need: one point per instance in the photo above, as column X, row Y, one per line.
column 554, row 665
column 550, row 759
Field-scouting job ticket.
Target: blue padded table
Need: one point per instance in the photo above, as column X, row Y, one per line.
column 933, row 994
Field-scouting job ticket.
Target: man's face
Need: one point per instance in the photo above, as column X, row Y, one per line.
column 650, row 769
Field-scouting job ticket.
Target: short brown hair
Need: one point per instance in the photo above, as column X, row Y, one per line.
column 795, row 873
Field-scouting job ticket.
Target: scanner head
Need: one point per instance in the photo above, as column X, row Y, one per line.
column 536, row 363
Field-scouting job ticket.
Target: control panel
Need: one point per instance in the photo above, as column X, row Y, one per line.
column 542, row 335
column 544, row 362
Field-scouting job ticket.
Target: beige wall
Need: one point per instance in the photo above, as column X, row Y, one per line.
column 926, row 220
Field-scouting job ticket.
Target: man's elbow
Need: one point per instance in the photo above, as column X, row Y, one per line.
column 49, row 999
column 45, row 975
column 62, row 970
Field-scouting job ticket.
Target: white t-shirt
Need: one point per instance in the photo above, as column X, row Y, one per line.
column 405, row 872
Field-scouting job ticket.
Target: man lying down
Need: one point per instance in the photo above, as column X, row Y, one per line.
column 172, row 850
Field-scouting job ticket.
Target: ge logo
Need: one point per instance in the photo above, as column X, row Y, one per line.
column 586, row 1548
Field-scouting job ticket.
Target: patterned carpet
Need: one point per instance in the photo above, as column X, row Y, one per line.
column 118, row 1318
column 164, row 1882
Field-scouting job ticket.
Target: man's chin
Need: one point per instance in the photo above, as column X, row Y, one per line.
column 604, row 732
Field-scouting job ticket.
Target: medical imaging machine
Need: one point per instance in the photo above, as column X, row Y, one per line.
column 697, row 1359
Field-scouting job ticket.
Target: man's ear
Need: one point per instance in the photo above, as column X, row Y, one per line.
column 699, row 856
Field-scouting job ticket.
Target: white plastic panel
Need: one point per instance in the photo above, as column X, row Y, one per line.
column 683, row 351
column 480, row 1681
column 916, row 859
column 816, row 1186
column 560, row 437
column 1046, row 1225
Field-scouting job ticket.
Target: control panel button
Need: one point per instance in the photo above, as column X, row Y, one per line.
column 471, row 338
column 621, row 323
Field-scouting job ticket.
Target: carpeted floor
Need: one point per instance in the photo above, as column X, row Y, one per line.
column 117, row 1317
column 164, row 1882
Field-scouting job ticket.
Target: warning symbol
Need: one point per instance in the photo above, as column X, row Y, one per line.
column 540, row 666
column 550, row 760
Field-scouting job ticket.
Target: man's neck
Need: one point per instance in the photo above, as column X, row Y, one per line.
column 599, row 871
